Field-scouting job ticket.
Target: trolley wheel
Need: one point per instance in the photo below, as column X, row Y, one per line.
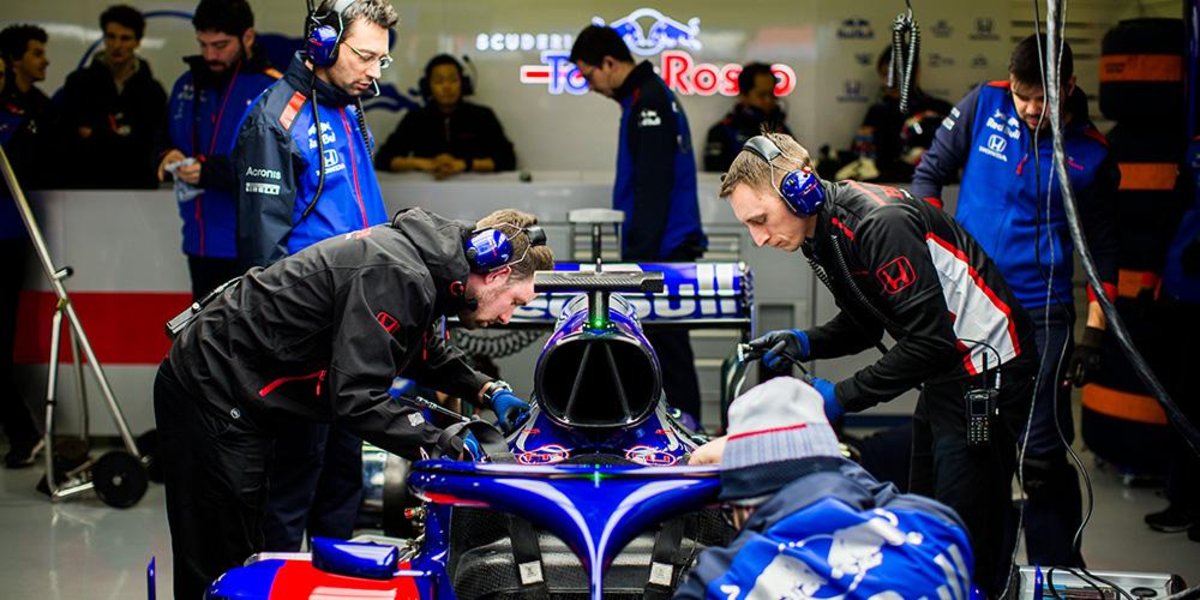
column 120, row 479
column 397, row 499
column 147, row 445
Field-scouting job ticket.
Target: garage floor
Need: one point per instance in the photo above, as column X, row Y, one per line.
column 81, row 549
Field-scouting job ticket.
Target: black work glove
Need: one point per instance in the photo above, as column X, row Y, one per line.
column 779, row 349
column 1086, row 357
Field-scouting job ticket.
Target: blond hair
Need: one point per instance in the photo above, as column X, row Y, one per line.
column 750, row 168
column 511, row 222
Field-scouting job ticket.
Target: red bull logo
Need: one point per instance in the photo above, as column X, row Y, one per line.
column 648, row 32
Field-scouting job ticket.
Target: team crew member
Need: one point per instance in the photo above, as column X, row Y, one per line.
column 900, row 265
column 655, row 184
column 26, row 123
column 203, row 115
column 318, row 336
column 113, row 108
column 756, row 107
column 800, row 504
column 449, row 135
column 999, row 135
column 298, row 187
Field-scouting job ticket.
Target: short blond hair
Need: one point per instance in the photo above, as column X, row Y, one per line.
column 511, row 222
column 750, row 169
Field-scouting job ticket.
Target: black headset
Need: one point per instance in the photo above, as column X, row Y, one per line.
column 323, row 32
column 425, row 86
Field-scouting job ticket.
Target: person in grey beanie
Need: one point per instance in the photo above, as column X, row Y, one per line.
column 814, row 524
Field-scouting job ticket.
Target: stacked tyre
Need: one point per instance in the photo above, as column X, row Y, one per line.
column 1142, row 88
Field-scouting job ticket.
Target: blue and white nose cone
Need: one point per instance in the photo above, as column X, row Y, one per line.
column 600, row 378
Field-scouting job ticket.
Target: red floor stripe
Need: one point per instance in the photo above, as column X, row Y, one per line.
column 125, row 328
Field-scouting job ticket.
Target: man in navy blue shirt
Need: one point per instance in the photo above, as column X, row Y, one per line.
column 655, row 184
column 203, row 114
column 999, row 135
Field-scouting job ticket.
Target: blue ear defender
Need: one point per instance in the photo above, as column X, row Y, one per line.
column 325, row 30
column 490, row 249
column 800, row 189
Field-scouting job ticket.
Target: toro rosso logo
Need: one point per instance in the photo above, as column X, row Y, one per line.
column 544, row 455
column 660, row 33
column 651, row 457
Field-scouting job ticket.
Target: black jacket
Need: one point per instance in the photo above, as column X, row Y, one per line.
column 727, row 137
column 120, row 153
column 321, row 334
column 918, row 275
column 471, row 131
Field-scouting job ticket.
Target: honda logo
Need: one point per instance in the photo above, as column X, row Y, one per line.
column 896, row 275
column 997, row 143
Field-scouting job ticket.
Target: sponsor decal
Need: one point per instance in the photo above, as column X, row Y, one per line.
column 1004, row 123
column 649, row 456
column 942, row 29
column 544, row 455
column 855, row 28
column 262, row 188
column 896, row 275
column 863, row 58
column 938, row 60
column 327, row 135
column 388, row 322
column 852, row 91
column 995, row 147
column 979, row 61
column 263, row 172
column 649, row 118
column 332, row 161
column 985, row 30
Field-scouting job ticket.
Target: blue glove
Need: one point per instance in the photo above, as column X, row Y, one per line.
column 781, row 348
column 833, row 409
column 510, row 410
column 471, row 449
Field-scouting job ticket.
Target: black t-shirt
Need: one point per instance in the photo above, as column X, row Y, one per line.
column 918, row 275
column 471, row 131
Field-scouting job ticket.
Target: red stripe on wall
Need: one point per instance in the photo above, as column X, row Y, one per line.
column 125, row 328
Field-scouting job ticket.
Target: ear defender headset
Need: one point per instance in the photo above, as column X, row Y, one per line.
column 800, row 189
column 323, row 33
column 490, row 249
column 426, row 87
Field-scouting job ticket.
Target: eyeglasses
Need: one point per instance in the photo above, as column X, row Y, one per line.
column 384, row 61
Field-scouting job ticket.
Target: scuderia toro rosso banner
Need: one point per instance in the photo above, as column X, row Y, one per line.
column 650, row 33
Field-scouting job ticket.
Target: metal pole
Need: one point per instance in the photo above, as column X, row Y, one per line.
column 64, row 301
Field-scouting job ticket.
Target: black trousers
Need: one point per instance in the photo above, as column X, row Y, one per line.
column 15, row 416
column 1181, row 321
column 975, row 482
column 216, row 486
column 316, row 485
column 208, row 273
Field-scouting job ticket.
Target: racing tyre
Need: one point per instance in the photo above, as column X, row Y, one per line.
column 1141, row 71
column 120, row 479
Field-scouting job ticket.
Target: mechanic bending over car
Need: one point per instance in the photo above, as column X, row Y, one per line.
column 319, row 336
column 813, row 524
column 901, row 265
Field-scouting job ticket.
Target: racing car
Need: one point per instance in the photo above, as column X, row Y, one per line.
column 588, row 498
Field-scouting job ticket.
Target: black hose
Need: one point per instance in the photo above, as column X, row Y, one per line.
column 906, row 48
column 1115, row 324
column 504, row 344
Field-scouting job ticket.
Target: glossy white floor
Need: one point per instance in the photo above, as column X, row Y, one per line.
column 81, row 549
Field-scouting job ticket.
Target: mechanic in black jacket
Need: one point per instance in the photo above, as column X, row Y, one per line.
column 319, row 336
column 449, row 135
column 898, row 265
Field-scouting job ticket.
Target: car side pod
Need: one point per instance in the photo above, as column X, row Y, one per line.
column 355, row 559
